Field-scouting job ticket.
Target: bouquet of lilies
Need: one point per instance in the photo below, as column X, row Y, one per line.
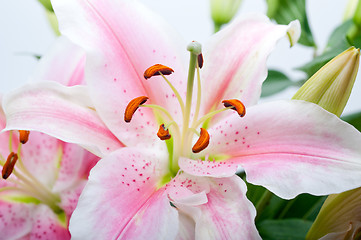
column 129, row 132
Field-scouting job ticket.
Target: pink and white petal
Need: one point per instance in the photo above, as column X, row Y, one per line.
column 46, row 225
column 157, row 219
column 70, row 196
column 66, row 113
column 15, row 222
column 123, row 181
column 122, row 39
column 208, row 168
column 291, row 147
column 41, row 155
column 235, row 59
column 228, row 214
column 73, row 166
column 187, row 226
column 185, row 190
column 63, row 63
column 4, row 136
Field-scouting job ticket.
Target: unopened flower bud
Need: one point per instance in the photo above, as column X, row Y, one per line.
column 223, row 11
column 330, row 87
column 339, row 217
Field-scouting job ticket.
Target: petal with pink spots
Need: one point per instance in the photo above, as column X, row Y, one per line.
column 208, row 168
column 15, row 221
column 184, row 189
column 291, row 147
column 228, row 214
column 123, row 181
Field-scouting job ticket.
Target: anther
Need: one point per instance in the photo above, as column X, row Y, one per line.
column 202, row 141
column 200, row 60
column 24, row 136
column 133, row 106
column 9, row 165
column 236, row 105
column 163, row 133
column 157, row 69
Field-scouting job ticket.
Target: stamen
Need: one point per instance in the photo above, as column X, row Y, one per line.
column 202, row 142
column 9, row 165
column 200, row 60
column 157, row 69
column 163, row 133
column 133, row 106
column 235, row 105
column 24, row 136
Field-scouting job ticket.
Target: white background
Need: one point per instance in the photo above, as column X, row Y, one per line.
column 24, row 31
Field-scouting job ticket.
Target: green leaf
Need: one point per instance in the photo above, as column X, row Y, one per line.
column 354, row 119
column 285, row 11
column 337, row 43
column 276, row 81
column 304, row 206
column 286, row 229
column 47, row 5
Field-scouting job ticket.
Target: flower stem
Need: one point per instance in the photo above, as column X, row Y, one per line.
column 263, row 202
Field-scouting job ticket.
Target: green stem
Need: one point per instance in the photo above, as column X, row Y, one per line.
column 263, row 202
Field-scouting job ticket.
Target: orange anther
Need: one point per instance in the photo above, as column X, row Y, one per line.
column 156, row 70
column 200, row 60
column 202, row 141
column 133, row 106
column 236, row 105
column 24, row 136
column 9, row 165
column 163, row 133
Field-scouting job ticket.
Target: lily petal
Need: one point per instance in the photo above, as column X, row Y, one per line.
column 208, row 168
column 15, row 220
column 228, row 214
column 46, row 225
column 187, row 226
column 291, row 147
column 110, row 182
column 155, row 214
column 122, row 39
column 66, row 113
column 183, row 189
column 235, row 59
column 41, row 155
column 70, row 170
column 63, row 63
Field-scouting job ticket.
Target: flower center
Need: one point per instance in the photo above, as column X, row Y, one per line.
column 179, row 139
column 22, row 185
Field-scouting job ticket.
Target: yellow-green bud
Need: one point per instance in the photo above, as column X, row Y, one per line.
column 330, row 87
column 222, row 11
column 339, row 217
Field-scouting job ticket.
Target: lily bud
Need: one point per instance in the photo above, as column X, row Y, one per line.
column 330, row 87
column 222, row 11
column 339, row 217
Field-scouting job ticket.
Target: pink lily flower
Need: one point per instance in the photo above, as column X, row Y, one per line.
column 137, row 190
column 42, row 189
